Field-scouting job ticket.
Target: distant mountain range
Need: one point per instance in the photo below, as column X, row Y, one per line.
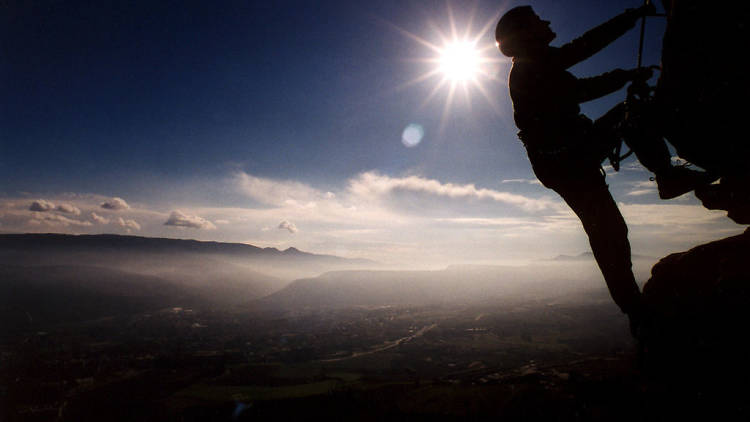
column 58, row 277
column 154, row 255
column 53, row 242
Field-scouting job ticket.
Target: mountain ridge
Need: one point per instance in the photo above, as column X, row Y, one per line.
column 117, row 242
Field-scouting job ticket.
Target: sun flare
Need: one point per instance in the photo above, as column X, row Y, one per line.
column 459, row 61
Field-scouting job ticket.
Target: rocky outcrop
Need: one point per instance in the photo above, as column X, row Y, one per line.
column 699, row 303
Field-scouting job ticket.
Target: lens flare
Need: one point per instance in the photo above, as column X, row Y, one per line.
column 412, row 135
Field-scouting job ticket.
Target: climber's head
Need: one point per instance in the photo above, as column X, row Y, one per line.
column 520, row 30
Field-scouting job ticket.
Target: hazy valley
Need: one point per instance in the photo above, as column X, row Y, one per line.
column 178, row 330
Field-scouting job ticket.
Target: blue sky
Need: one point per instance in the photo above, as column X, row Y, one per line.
column 280, row 124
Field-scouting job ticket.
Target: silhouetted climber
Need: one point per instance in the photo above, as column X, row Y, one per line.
column 566, row 148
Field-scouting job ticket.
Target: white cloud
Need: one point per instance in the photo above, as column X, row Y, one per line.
column 669, row 215
column 641, row 192
column 41, row 205
column 526, row 181
column 99, row 219
column 469, row 222
column 275, row 192
column 56, row 220
column 371, row 200
column 128, row 224
column 644, row 184
column 179, row 219
column 286, row 225
column 372, row 185
column 68, row 209
column 388, row 218
column 115, row 204
column 643, row 187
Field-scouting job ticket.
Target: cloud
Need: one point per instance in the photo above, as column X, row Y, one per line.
column 286, row 225
column 672, row 216
column 68, row 209
column 275, row 192
column 178, row 219
column 640, row 192
column 634, row 166
column 41, row 205
column 128, row 224
column 527, row 181
column 388, row 217
column 372, row 184
column 642, row 188
column 371, row 199
column 469, row 222
column 115, row 204
column 56, row 220
column 99, row 219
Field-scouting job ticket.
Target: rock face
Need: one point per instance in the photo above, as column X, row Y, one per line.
column 700, row 299
column 703, row 111
column 700, row 303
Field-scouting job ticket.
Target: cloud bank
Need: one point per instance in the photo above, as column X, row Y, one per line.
column 68, row 209
column 373, row 184
column 179, row 219
column 371, row 192
column 115, row 204
column 99, row 219
column 275, row 192
column 401, row 218
column 41, row 205
column 286, row 225
column 56, row 220
column 128, row 224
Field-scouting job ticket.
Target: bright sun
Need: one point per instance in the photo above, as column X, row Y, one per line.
column 460, row 61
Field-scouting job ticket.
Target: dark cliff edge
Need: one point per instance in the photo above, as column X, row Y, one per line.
column 699, row 302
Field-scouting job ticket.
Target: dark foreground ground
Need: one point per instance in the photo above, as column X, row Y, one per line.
column 571, row 359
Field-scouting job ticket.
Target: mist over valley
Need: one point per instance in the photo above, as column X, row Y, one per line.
column 202, row 328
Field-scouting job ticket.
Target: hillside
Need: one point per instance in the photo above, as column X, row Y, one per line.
column 34, row 297
column 456, row 284
column 226, row 272
column 111, row 243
